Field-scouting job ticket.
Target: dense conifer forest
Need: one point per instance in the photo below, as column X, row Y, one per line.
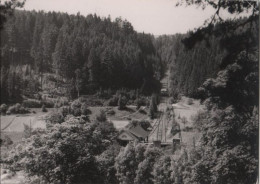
column 96, row 52
column 191, row 62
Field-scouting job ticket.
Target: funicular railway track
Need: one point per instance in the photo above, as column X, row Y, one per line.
column 156, row 124
column 159, row 128
column 160, row 125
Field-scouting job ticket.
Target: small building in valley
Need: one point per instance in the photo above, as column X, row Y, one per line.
column 133, row 134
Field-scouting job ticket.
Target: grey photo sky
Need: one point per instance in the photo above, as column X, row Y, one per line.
column 150, row 16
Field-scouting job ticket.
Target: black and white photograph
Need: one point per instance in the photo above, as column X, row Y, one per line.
column 129, row 91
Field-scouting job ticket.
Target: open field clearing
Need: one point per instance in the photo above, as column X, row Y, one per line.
column 6, row 121
column 119, row 124
column 15, row 123
column 182, row 109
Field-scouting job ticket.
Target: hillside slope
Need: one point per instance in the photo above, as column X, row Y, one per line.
column 83, row 54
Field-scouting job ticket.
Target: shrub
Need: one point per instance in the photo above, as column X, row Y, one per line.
column 31, row 103
column 68, row 117
column 3, row 108
column 55, row 102
column 56, row 117
column 27, row 131
column 154, row 102
column 122, row 101
column 75, row 104
column 17, row 109
column 76, row 107
column 145, row 124
column 48, row 103
column 44, row 109
column 76, row 112
column 65, row 110
column 63, row 101
column 101, row 117
column 153, row 106
column 11, row 109
column 113, row 101
column 7, row 141
column 23, row 110
column 84, row 109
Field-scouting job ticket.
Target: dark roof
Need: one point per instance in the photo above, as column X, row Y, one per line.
column 135, row 132
column 138, row 131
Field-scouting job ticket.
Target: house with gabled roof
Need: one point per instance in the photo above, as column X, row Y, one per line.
column 132, row 134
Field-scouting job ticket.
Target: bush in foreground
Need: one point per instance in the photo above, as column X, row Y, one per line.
column 53, row 153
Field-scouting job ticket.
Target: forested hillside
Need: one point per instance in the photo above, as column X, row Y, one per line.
column 189, row 68
column 192, row 67
column 166, row 46
column 80, row 53
column 192, row 61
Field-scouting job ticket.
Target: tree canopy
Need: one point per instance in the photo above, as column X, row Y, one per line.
column 87, row 52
